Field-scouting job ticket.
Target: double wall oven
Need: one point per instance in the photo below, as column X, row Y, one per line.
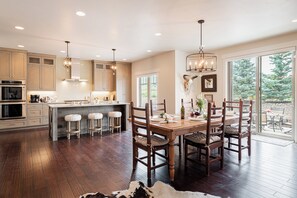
column 12, row 99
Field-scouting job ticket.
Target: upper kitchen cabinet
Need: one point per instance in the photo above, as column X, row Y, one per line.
column 41, row 72
column 123, row 82
column 104, row 80
column 13, row 64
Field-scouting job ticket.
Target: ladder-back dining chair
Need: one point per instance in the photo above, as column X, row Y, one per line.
column 241, row 129
column 159, row 108
column 209, row 143
column 144, row 140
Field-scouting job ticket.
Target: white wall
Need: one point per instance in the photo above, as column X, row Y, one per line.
column 170, row 68
column 164, row 65
column 180, row 70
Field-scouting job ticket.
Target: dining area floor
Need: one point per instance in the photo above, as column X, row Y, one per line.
column 34, row 166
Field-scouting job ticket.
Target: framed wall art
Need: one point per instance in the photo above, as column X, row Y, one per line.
column 208, row 97
column 209, row 83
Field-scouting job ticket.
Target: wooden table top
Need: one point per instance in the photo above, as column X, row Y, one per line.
column 181, row 127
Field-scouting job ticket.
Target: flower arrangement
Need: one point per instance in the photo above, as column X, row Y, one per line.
column 200, row 102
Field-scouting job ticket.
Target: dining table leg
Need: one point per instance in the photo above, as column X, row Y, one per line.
column 171, row 158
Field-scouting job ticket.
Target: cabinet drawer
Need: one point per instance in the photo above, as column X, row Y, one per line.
column 5, row 124
column 34, row 106
column 44, row 120
column 34, row 112
column 34, row 121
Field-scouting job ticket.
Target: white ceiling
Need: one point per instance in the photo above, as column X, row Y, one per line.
column 130, row 25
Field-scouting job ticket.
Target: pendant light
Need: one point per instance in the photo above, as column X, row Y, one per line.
column 67, row 60
column 201, row 62
column 114, row 63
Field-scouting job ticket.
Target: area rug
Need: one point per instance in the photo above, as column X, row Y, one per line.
column 270, row 140
column 138, row 190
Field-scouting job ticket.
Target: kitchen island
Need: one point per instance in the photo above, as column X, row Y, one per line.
column 57, row 124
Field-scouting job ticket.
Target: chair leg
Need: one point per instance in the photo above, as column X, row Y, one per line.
column 222, row 156
column 207, row 156
column 149, row 157
column 134, row 156
column 249, row 144
column 229, row 143
column 68, row 130
column 154, row 157
column 186, row 152
column 101, row 126
column 180, row 144
column 78, row 128
column 239, row 148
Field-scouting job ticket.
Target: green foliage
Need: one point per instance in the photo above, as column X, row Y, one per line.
column 277, row 86
column 243, row 79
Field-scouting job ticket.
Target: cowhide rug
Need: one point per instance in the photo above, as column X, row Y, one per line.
column 138, row 190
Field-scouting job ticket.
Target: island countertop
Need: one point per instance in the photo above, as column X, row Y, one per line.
column 85, row 105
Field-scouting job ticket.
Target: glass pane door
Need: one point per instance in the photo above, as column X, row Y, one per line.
column 147, row 89
column 276, row 104
column 243, row 82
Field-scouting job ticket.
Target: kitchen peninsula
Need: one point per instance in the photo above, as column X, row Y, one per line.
column 57, row 124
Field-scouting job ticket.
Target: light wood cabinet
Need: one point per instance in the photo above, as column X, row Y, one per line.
column 9, row 124
column 37, row 114
column 123, row 82
column 104, row 80
column 41, row 72
column 13, row 64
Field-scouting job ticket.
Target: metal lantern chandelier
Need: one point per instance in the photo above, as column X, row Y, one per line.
column 67, row 60
column 201, row 62
column 114, row 63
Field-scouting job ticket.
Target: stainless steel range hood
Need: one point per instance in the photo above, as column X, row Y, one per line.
column 75, row 72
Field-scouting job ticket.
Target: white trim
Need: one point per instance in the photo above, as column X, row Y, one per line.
column 271, row 49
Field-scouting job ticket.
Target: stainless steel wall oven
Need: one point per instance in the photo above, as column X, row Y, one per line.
column 12, row 99
column 12, row 91
column 13, row 110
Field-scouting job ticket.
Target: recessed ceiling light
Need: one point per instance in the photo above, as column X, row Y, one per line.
column 98, row 56
column 21, row 46
column 80, row 13
column 19, row 27
column 294, row 21
column 124, row 59
column 158, row 34
column 149, row 51
column 62, row 51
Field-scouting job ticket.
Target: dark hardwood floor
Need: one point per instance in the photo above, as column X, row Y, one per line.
column 34, row 166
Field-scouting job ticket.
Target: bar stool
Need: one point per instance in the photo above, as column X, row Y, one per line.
column 73, row 118
column 93, row 118
column 114, row 120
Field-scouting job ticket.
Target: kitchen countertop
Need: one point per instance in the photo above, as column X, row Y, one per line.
column 85, row 105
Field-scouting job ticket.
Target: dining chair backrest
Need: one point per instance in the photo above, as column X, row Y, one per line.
column 157, row 108
column 140, row 122
column 189, row 105
column 215, row 122
column 244, row 111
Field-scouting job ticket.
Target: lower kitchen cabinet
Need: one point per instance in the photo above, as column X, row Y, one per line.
column 15, row 123
column 37, row 114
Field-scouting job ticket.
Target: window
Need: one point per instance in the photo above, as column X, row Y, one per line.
column 147, row 89
column 268, row 81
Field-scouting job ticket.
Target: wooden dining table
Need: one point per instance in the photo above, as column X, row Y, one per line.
column 181, row 127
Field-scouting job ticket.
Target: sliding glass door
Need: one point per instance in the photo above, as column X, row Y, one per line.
column 268, row 81
column 276, row 93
